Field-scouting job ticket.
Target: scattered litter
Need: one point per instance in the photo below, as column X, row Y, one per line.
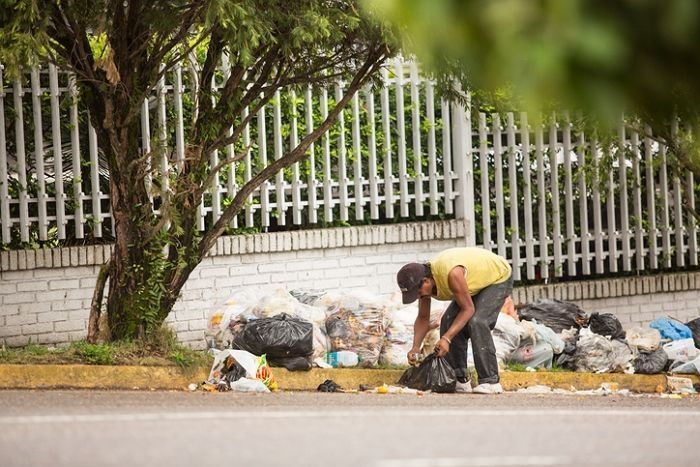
column 192, row 387
column 677, row 385
column 539, row 389
column 232, row 365
column 329, row 386
column 385, row 389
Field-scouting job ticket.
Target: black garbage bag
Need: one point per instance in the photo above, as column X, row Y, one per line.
column 232, row 371
column 651, row 363
column 292, row 363
column 606, row 324
column 694, row 326
column 433, row 374
column 555, row 314
column 281, row 336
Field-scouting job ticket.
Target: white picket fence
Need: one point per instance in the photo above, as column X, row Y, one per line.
column 519, row 186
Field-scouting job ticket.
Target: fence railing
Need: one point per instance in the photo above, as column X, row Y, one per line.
column 554, row 200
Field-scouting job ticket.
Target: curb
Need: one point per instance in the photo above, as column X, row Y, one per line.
column 172, row 378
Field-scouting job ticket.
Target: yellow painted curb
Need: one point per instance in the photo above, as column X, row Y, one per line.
column 95, row 377
column 172, row 378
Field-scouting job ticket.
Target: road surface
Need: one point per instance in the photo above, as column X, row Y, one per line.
column 119, row 428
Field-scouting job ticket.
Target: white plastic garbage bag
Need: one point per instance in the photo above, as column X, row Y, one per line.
column 598, row 354
column 682, row 350
column 256, row 368
column 644, row 339
column 506, row 336
column 534, row 355
column 690, row 367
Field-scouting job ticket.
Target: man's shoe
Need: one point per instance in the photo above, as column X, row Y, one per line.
column 463, row 388
column 488, row 388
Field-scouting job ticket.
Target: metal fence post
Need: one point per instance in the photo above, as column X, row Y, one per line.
column 462, row 161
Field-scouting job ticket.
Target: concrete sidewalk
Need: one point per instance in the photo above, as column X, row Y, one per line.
column 172, row 378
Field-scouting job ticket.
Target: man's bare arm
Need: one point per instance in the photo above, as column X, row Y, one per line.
column 456, row 280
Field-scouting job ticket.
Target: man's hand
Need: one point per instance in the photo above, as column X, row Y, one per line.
column 412, row 356
column 442, row 347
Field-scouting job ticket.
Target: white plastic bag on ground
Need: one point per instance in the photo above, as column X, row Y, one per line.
column 506, row 336
column 682, row 350
column 598, row 354
column 547, row 334
column 646, row 339
column 256, row 368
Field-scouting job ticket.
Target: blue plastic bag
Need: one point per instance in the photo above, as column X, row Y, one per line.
column 671, row 329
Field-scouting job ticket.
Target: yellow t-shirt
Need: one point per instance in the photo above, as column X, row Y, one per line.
column 483, row 268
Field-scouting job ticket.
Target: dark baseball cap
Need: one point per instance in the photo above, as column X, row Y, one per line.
column 410, row 278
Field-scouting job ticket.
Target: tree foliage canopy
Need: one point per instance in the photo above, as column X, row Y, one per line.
column 638, row 57
column 120, row 50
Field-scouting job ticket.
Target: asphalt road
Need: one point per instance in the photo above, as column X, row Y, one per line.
column 95, row 428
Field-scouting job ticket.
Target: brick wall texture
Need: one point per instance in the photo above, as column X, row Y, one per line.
column 45, row 295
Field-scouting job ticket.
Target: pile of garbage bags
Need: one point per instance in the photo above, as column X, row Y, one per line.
column 303, row 328
column 553, row 331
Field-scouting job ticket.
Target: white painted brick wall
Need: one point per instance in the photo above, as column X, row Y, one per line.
column 43, row 301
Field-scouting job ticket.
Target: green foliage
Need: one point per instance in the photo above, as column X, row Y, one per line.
column 95, row 354
column 604, row 58
column 161, row 348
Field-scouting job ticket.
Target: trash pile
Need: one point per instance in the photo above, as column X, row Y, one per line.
column 549, row 331
column 257, row 329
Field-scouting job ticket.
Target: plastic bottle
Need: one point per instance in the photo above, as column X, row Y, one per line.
column 343, row 358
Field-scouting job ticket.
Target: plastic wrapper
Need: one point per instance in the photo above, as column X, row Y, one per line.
column 598, row 354
column 650, row 362
column 643, row 339
column 307, row 296
column 356, row 323
column 433, row 374
column 606, row 324
column 228, row 361
column 281, row 336
column 554, row 314
column 694, row 327
column 671, row 329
